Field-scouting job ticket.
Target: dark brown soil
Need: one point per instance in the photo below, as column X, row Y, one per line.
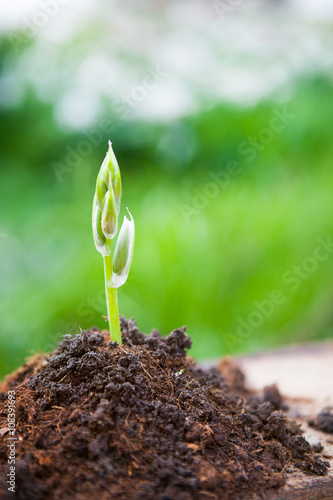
column 323, row 421
column 141, row 421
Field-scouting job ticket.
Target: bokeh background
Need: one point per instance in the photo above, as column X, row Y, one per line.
column 221, row 117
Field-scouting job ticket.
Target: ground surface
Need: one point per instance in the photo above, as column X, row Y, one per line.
column 141, row 421
column 304, row 375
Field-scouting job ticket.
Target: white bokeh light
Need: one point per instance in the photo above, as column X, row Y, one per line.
column 90, row 52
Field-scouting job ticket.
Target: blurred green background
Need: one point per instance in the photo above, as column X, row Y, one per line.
column 221, row 118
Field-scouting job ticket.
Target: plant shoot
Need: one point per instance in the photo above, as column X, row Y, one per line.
column 106, row 207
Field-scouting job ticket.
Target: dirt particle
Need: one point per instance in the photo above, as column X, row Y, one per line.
column 323, row 421
column 208, row 475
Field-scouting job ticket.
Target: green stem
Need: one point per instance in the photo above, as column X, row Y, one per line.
column 111, row 300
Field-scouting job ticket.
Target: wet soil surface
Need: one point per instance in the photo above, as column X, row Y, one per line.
column 140, row 421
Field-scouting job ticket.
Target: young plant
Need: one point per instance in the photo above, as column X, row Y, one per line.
column 106, row 208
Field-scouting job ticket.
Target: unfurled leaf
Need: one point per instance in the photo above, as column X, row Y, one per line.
column 123, row 253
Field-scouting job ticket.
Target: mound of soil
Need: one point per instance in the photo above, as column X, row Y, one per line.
column 140, row 421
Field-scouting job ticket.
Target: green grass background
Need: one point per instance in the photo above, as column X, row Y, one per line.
column 204, row 271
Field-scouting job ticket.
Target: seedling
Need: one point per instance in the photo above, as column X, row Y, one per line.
column 106, row 208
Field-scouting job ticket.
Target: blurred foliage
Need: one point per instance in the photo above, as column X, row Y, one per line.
column 203, row 267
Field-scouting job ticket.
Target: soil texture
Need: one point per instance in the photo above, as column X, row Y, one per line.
column 141, row 421
column 323, row 421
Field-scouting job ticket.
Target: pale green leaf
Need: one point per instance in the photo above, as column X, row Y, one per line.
column 99, row 238
column 123, row 253
column 109, row 216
